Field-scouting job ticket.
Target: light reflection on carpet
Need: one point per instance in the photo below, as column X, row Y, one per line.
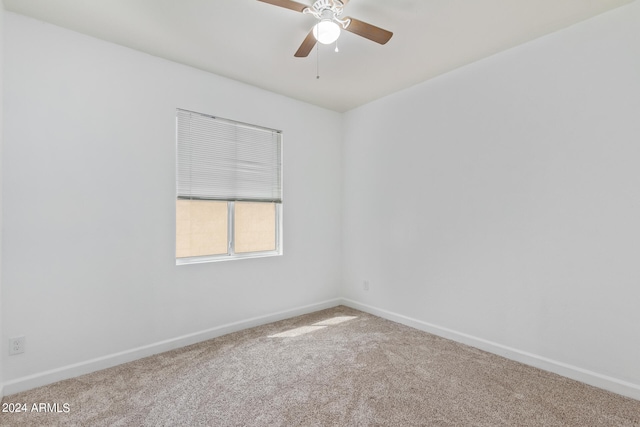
column 312, row 328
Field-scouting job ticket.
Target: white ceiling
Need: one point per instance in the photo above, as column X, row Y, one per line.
column 254, row 42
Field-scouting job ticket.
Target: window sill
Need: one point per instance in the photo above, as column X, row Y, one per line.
column 226, row 257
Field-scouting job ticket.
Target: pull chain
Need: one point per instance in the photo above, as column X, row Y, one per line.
column 317, row 62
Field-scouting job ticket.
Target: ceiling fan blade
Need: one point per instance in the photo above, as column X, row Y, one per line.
column 369, row 31
column 287, row 4
column 306, row 46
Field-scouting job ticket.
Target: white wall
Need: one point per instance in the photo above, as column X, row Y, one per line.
column 89, row 219
column 501, row 202
column 2, row 339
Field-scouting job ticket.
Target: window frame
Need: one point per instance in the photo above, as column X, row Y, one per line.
column 231, row 254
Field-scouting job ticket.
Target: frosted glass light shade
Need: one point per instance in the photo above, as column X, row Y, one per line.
column 326, row 31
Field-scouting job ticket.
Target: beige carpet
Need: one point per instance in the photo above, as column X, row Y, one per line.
column 336, row 367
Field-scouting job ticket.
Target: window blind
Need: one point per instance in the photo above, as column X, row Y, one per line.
column 220, row 159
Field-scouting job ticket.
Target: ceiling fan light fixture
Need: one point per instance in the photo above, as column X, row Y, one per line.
column 326, row 31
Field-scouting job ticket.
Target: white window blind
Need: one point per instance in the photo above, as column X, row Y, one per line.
column 219, row 159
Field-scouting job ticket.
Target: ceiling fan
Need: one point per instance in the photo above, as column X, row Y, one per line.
column 327, row 30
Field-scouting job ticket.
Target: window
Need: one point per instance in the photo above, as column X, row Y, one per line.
column 229, row 189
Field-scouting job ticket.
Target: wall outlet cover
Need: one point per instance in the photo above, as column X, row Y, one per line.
column 16, row 345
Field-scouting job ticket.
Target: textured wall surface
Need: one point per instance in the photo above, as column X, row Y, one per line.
column 89, row 169
column 502, row 200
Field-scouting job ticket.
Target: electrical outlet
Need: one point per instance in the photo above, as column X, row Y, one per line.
column 365, row 285
column 16, row 345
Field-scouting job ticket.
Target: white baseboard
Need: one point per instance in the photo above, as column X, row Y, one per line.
column 583, row 375
column 589, row 377
column 43, row 378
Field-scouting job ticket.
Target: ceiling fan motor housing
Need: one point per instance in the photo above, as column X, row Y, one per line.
column 326, row 9
column 322, row 5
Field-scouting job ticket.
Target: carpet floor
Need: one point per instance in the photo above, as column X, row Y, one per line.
column 335, row 367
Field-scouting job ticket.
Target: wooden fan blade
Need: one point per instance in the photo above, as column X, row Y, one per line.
column 369, row 31
column 287, row 4
column 306, row 46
